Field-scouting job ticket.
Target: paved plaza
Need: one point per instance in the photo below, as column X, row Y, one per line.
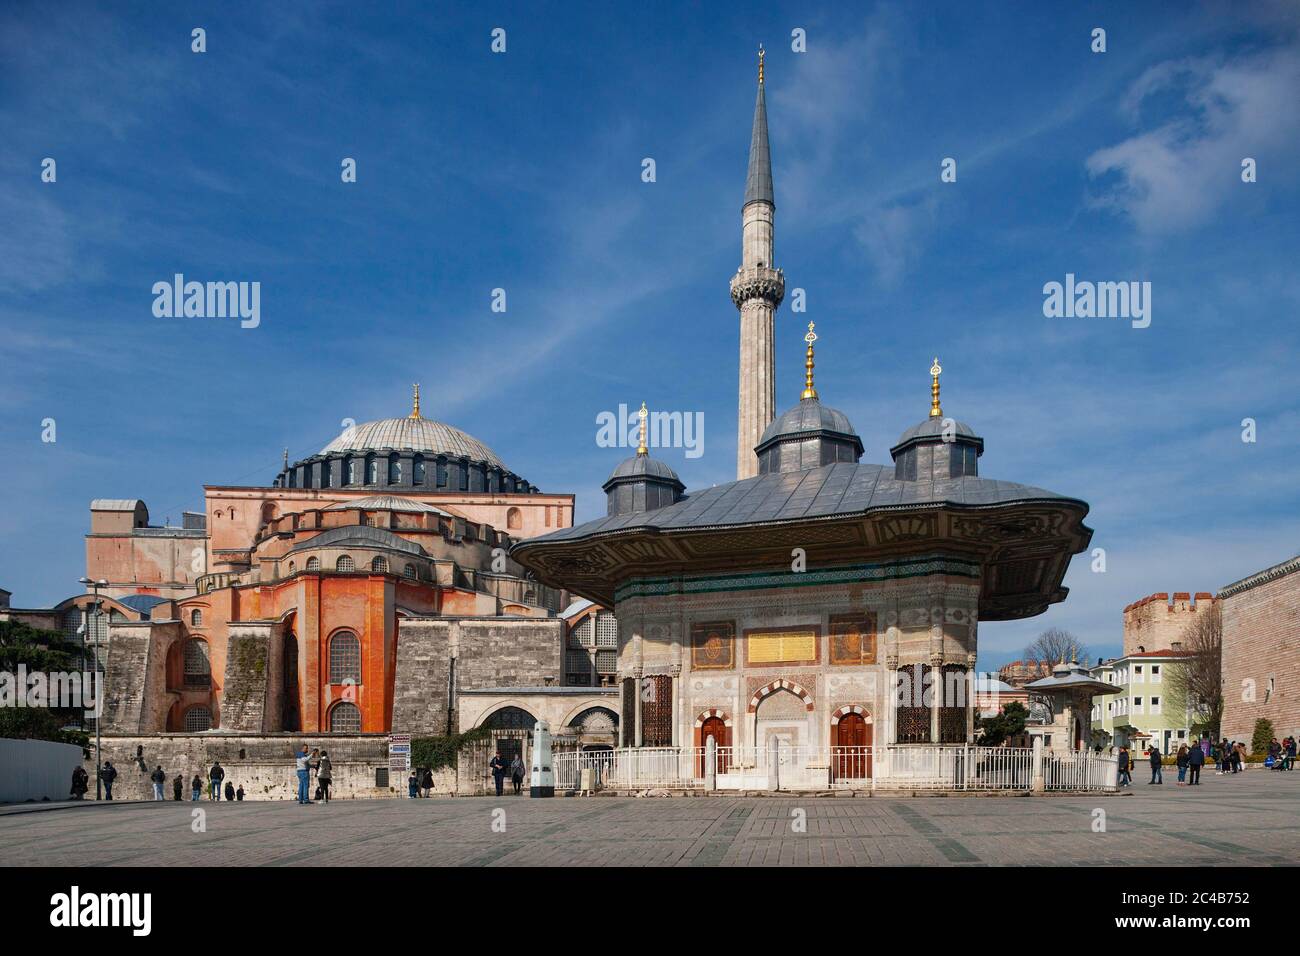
column 1251, row 819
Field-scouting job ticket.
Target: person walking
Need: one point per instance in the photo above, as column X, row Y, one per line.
column 517, row 773
column 413, row 786
column 1195, row 760
column 108, row 773
column 1124, row 778
column 324, row 775
column 178, row 785
column 159, row 778
column 1155, row 757
column 196, row 789
column 302, row 764
column 498, row 768
column 1181, row 761
column 215, row 776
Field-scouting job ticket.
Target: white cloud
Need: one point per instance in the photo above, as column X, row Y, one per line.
column 1178, row 173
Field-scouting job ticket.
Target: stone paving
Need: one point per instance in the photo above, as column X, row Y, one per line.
column 1250, row 819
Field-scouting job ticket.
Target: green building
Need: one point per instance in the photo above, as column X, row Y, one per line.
column 1143, row 713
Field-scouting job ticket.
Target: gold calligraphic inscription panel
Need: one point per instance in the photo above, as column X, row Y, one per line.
column 781, row 647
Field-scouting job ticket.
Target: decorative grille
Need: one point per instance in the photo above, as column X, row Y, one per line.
column 657, row 711
column 197, row 669
column 198, row 719
column 606, row 630
column 345, row 718
column 345, row 658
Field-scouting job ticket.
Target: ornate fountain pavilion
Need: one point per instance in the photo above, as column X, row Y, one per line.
column 818, row 604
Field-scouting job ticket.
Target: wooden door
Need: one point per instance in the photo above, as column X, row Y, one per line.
column 721, row 733
column 851, row 753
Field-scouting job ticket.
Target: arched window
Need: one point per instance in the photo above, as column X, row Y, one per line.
column 198, row 671
column 351, row 472
column 313, row 564
column 372, row 470
column 379, row 565
column 514, row 519
column 345, row 718
column 292, row 567
column 345, row 563
column 394, row 470
column 196, row 618
column 198, row 719
column 510, row 718
column 73, row 620
column 409, row 572
column 268, row 512
column 345, row 658
column 417, row 470
column 440, row 473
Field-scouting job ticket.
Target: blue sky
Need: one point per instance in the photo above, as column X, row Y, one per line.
column 523, row 171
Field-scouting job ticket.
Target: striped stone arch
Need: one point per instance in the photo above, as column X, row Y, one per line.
column 851, row 709
column 780, row 684
column 712, row 712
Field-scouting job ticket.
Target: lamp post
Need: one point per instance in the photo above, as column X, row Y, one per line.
column 99, row 699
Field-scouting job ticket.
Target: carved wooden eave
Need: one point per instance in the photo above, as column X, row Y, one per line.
column 1023, row 549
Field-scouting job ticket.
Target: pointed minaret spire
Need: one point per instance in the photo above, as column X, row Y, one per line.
column 641, row 448
column 758, row 184
column 935, row 409
column 415, row 402
column 757, row 290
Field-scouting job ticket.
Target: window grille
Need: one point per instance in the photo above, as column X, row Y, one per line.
column 606, row 630
column 197, row 668
column 345, row 563
column 345, row 718
column 198, row 719
column 345, row 658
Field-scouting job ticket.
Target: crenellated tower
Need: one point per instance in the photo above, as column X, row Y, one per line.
column 757, row 289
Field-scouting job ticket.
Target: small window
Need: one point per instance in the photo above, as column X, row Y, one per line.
column 394, row 470
column 372, row 470
column 345, row 718
column 292, row 567
column 196, row 618
column 198, row 670
column 417, row 470
column 198, row 719
column 313, row 564
column 345, row 563
column 409, row 572
column 379, row 565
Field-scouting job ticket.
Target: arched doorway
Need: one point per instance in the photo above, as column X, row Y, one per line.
column 715, row 725
column 512, row 733
column 851, row 738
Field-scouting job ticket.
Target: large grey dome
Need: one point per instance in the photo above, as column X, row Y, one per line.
column 807, row 436
column 413, row 434
column 809, row 415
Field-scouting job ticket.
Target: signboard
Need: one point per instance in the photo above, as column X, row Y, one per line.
column 399, row 754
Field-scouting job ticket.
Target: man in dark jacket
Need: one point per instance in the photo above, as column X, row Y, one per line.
column 159, row 778
column 498, row 768
column 108, row 773
column 1155, row 765
column 1195, row 760
column 215, row 776
column 177, row 786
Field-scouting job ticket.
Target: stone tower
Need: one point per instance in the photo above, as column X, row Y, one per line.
column 757, row 290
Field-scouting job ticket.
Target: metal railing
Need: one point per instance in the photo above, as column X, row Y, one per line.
column 946, row 767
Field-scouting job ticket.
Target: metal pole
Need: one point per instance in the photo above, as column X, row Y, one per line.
column 99, row 706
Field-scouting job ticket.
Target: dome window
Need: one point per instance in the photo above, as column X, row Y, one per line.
column 313, row 564
column 345, row 563
column 379, row 565
column 409, row 572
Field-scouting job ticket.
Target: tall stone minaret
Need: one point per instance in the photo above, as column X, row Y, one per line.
column 757, row 289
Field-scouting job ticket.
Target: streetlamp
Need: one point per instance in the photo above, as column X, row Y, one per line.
column 99, row 698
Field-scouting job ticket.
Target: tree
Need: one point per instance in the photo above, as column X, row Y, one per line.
column 1195, row 683
column 1054, row 645
column 994, row 730
column 38, row 651
column 1263, row 736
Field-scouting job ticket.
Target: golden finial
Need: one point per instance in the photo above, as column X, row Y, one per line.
column 643, row 415
column 761, row 53
column 935, row 410
column 415, row 405
column 808, row 390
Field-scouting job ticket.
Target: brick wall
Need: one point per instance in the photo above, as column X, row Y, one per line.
column 1261, row 644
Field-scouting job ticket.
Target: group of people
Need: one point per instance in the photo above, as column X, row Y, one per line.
column 1228, row 756
column 216, row 776
column 314, row 763
column 1281, row 754
column 500, row 768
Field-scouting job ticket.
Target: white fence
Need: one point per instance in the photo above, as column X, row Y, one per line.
column 945, row 767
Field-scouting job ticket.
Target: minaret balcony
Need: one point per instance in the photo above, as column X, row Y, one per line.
column 758, row 282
